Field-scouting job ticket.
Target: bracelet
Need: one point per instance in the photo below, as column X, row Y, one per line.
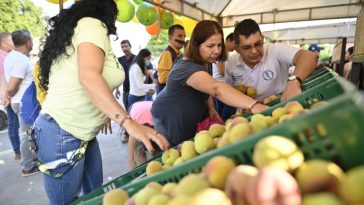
column 123, row 120
column 252, row 105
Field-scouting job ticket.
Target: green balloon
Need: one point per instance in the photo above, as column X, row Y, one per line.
column 166, row 20
column 146, row 14
column 137, row 2
column 126, row 10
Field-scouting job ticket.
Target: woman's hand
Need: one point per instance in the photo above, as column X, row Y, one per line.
column 106, row 127
column 146, row 134
column 258, row 108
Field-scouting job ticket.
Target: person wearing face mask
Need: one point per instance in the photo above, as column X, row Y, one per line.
column 267, row 67
column 138, row 74
column 176, row 38
column 149, row 80
column 187, row 98
column 19, row 75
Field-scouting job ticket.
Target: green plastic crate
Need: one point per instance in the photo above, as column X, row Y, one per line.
column 323, row 91
column 307, row 84
column 319, row 72
column 121, row 180
column 316, row 78
column 333, row 132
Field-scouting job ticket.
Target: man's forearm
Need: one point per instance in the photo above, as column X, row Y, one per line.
column 306, row 63
column 11, row 92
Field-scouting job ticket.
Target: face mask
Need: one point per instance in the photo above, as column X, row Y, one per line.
column 147, row 62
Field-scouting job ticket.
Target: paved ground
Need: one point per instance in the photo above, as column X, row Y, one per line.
column 15, row 189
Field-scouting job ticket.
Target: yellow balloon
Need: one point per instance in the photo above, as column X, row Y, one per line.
column 56, row 1
column 178, row 20
column 188, row 24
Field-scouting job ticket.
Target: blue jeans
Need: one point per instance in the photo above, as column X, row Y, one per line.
column 13, row 129
column 148, row 97
column 55, row 146
column 133, row 98
column 26, row 162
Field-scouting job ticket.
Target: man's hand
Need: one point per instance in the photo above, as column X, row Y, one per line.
column 117, row 93
column 6, row 100
column 292, row 89
column 258, row 108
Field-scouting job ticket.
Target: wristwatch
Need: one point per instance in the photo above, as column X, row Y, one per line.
column 294, row 77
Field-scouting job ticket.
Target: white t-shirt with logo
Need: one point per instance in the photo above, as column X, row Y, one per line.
column 18, row 65
column 269, row 76
column 216, row 73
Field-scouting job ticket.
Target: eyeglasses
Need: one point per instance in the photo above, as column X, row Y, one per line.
column 249, row 48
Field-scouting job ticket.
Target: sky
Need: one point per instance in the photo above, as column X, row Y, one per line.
column 135, row 33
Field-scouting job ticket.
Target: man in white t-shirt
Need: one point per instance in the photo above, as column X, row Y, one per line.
column 266, row 67
column 19, row 75
column 218, row 72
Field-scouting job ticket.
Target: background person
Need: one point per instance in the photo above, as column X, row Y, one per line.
column 126, row 61
column 140, row 112
column 139, row 74
column 79, row 71
column 176, row 39
column 186, row 100
column 19, row 75
column 218, row 72
column 349, row 62
column 6, row 45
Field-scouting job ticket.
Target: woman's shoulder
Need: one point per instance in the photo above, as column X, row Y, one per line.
column 134, row 66
column 89, row 21
column 185, row 63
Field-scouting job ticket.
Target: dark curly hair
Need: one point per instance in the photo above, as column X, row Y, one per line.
column 61, row 29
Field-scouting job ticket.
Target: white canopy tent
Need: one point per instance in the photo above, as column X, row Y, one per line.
column 327, row 32
column 228, row 12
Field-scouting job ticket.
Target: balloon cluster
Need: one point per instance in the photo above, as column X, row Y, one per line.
column 154, row 18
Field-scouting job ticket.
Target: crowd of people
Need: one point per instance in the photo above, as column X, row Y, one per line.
column 189, row 85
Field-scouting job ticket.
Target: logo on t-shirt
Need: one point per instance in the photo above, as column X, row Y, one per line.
column 268, row 75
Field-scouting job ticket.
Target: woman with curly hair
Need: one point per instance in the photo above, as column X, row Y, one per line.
column 79, row 70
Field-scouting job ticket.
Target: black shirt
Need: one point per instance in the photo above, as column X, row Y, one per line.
column 179, row 106
column 126, row 63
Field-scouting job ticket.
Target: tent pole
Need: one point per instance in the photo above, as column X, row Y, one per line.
column 60, row 5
